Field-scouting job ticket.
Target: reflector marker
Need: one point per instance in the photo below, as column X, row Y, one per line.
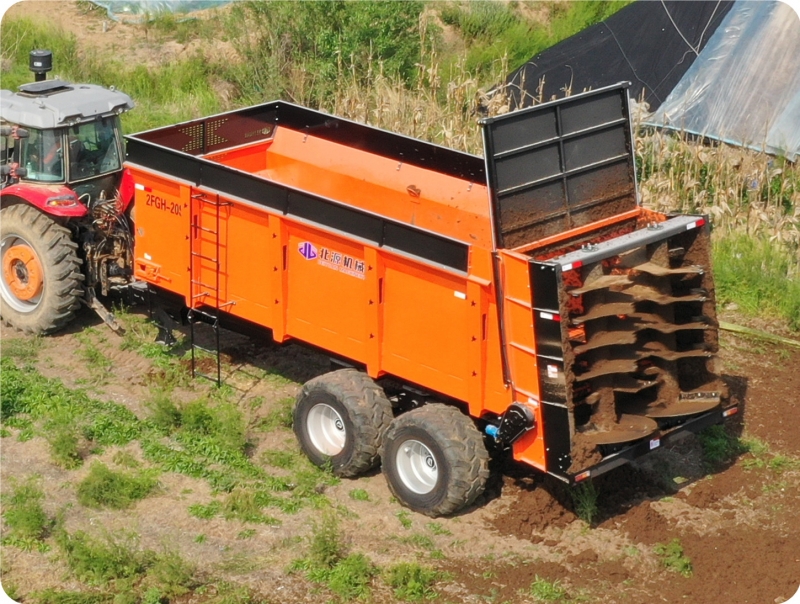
column 583, row 476
column 697, row 223
column 571, row 266
column 731, row 411
column 141, row 187
column 549, row 316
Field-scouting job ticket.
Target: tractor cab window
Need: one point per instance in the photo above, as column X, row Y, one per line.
column 94, row 149
column 43, row 156
column 6, row 150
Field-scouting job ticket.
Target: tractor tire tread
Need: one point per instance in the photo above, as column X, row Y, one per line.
column 62, row 261
column 464, row 449
column 370, row 411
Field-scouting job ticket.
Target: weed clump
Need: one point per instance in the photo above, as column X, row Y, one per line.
column 584, row 496
column 97, row 562
column 26, row 521
column 547, row 591
column 348, row 576
column 673, row 558
column 61, row 433
column 104, row 487
column 412, row 582
column 719, row 446
column 358, row 495
column 115, row 560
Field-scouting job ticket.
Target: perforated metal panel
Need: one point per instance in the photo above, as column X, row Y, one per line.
column 560, row 165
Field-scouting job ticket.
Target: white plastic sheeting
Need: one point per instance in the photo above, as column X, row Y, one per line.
column 138, row 8
column 744, row 88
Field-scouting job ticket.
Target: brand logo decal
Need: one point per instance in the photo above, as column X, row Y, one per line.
column 307, row 250
column 349, row 265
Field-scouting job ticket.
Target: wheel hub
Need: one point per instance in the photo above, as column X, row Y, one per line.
column 417, row 467
column 22, row 272
column 326, row 429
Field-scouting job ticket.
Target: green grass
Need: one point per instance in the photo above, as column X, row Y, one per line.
column 498, row 32
column 204, row 438
column 25, row 350
column 27, row 524
column 280, row 458
column 719, row 446
column 584, row 497
column 543, row 590
column 62, row 430
column 328, row 563
column 93, row 358
column 419, row 540
column 673, row 558
column 104, row 487
column 358, row 495
column 56, row 596
column 349, row 578
column 437, row 529
column 280, row 416
column 205, row 511
column 115, row 561
column 412, row 582
column 762, row 458
column 405, row 518
column 97, row 561
column 756, row 275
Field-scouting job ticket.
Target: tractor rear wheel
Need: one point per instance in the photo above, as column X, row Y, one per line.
column 40, row 277
column 340, row 419
column 435, row 460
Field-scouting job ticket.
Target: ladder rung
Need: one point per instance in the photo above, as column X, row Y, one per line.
column 208, row 350
column 230, row 303
column 197, row 374
column 204, row 284
column 199, row 255
column 200, row 228
column 202, row 197
column 198, row 316
column 200, row 295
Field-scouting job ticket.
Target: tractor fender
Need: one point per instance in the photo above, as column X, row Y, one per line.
column 55, row 200
column 126, row 190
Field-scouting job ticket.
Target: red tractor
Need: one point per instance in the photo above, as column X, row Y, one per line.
column 65, row 231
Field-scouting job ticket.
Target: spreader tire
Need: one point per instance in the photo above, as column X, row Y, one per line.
column 435, row 460
column 340, row 419
column 40, row 278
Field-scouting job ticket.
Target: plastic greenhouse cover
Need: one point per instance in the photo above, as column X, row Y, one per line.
column 744, row 88
column 127, row 8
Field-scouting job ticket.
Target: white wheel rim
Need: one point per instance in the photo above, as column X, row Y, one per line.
column 326, row 429
column 23, row 306
column 417, row 467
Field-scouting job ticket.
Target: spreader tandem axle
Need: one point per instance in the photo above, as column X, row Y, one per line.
column 522, row 301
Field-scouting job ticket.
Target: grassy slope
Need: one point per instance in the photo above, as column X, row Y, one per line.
column 754, row 200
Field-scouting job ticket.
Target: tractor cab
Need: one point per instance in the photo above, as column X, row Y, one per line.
column 57, row 133
column 61, row 133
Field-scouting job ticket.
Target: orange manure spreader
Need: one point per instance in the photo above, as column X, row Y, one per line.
column 522, row 301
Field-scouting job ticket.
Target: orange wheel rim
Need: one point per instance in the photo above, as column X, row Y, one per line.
column 23, row 272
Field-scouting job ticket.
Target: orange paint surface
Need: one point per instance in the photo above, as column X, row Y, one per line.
column 395, row 314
